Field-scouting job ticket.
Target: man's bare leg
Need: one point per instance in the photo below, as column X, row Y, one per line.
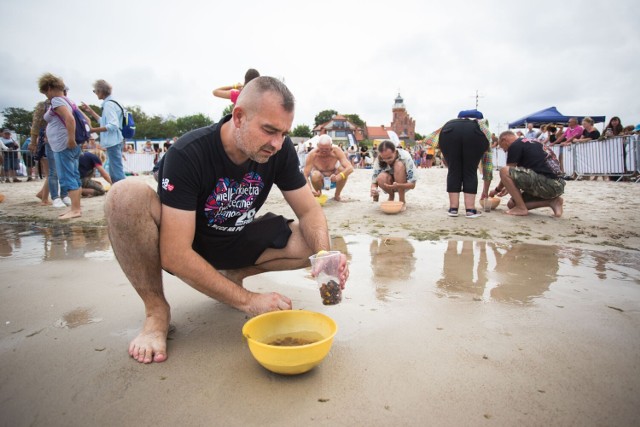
column 554, row 204
column 519, row 207
column 400, row 176
column 384, row 181
column 132, row 210
column 339, row 186
column 317, row 181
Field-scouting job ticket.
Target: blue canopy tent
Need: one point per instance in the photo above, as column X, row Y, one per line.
column 549, row 115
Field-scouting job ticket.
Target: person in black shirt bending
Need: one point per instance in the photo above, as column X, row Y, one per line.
column 527, row 178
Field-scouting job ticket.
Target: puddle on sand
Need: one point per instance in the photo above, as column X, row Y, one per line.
column 75, row 318
column 484, row 271
column 390, row 266
column 28, row 245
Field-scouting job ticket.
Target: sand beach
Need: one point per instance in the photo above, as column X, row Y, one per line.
column 498, row 320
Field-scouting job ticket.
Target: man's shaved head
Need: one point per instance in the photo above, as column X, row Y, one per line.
column 251, row 94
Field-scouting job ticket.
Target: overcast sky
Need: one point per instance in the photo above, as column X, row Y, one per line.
column 353, row 57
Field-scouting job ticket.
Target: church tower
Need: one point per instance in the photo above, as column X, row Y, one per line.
column 402, row 123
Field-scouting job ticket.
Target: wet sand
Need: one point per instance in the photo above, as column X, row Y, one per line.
column 528, row 321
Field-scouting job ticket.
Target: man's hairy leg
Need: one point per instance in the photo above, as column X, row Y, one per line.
column 132, row 210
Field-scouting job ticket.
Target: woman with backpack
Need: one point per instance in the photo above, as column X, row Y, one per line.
column 61, row 135
column 110, row 128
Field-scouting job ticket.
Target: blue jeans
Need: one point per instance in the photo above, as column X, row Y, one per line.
column 68, row 173
column 115, row 165
column 53, row 175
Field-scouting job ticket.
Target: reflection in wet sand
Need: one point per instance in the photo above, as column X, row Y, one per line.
column 524, row 272
column 460, row 272
column 392, row 261
column 486, row 271
column 53, row 243
column 508, row 273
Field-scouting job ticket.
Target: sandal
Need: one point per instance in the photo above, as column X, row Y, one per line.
column 453, row 212
column 472, row 213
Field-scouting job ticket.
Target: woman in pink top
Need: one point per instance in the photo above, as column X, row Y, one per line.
column 232, row 92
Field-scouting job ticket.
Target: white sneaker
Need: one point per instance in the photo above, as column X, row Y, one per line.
column 58, row 203
column 66, row 201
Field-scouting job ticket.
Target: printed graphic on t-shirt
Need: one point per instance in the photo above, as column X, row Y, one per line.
column 230, row 206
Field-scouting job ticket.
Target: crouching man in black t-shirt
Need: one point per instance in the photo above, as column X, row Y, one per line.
column 203, row 219
column 88, row 163
column 527, row 177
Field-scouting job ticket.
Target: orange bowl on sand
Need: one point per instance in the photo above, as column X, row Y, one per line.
column 290, row 342
column 391, row 207
column 491, row 201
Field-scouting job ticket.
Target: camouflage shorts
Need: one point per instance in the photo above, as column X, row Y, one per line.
column 535, row 186
column 93, row 184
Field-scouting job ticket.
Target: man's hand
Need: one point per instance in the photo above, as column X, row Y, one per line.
column 263, row 303
column 389, row 188
column 86, row 108
column 374, row 191
column 343, row 270
column 71, row 144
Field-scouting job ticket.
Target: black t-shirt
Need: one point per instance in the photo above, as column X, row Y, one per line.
column 87, row 162
column 530, row 155
column 594, row 134
column 197, row 175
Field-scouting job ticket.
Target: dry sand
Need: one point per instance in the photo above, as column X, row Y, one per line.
column 495, row 330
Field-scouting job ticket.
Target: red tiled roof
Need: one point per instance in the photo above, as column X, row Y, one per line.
column 377, row 132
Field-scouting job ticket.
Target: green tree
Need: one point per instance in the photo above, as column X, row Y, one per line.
column 355, row 119
column 227, row 110
column 302, row 131
column 324, row 116
column 187, row 123
column 18, row 120
column 419, row 137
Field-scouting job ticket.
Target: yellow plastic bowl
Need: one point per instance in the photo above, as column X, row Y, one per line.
column 290, row 360
column 322, row 199
column 391, row 207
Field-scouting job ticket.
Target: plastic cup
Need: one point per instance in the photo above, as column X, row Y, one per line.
column 325, row 267
column 327, row 183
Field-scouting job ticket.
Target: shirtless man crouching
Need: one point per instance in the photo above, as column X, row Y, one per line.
column 327, row 160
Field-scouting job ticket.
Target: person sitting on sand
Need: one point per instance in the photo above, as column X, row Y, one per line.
column 327, row 161
column 393, row 172
column 527, row 177
column 202, row 224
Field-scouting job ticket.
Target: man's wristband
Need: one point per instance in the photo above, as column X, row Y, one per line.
column 343, row 175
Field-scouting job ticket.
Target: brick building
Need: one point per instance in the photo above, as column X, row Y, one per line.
column 402, row 123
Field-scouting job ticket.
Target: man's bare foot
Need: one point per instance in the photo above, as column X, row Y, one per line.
column 517, row 212
column 39, row 194
column 151, row 344
column 556, row 205
column 70, row 214
column 404, row 207
column 45, row 202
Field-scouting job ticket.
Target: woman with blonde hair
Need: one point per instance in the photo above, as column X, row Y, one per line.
column 61, row 135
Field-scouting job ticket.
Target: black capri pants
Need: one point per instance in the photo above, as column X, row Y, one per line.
column 462, row 144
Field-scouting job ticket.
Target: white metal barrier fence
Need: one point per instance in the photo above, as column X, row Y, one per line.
column 617, row 156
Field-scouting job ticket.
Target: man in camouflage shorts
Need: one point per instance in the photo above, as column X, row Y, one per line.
column 527, row 178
